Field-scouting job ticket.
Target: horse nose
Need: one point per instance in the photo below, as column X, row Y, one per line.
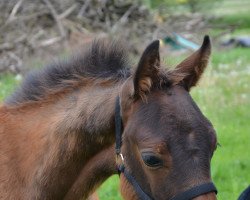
column 208, row 196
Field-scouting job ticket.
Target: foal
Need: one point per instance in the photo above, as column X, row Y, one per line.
column 57, row 130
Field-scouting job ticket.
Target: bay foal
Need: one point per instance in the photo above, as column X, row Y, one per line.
column 57, row 130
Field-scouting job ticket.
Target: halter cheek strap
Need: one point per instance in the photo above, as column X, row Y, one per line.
column 186, row 195
column 118, row 143
column 118, row 127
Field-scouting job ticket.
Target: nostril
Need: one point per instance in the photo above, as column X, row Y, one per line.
column 208, row 196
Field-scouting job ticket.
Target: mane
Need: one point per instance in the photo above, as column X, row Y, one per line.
column 102, row 60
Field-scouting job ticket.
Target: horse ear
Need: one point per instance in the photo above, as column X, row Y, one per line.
column 147, row 70
column 189, row 71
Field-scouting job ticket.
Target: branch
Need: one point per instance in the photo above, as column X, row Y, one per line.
column 83, row 8
column 14, row 11
column 56, row 18
column 67, row 12
column 27, row 17
column 49, row 41
column 123, row 19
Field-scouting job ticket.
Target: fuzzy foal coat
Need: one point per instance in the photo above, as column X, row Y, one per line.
column 57, row 129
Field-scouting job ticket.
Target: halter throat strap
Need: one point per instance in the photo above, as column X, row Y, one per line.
column 186, row 195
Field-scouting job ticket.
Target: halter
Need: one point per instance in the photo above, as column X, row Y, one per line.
column 186, row 195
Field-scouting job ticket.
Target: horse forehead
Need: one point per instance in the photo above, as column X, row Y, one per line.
column 174, row 100
column 178, row 101
column 186, row 108
column 173, row 106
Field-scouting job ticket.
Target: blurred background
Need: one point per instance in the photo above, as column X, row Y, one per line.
column 33, row 33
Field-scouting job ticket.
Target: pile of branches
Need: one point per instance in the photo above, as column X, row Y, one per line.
column 43, row 27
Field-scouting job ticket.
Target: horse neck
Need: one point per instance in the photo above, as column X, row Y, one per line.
column 94, row 173
column 64, row 139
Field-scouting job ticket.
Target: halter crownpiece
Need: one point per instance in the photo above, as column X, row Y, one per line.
column 186, row 195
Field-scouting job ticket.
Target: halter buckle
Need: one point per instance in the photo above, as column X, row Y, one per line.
column 119, row 156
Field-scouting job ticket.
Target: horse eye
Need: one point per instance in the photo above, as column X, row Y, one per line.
column 151, row 160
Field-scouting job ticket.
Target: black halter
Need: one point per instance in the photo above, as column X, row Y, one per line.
column 186, row 195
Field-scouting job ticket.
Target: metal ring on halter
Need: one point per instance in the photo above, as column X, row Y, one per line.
column 121, row 156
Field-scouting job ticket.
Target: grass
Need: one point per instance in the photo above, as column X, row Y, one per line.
column 223, row 95
column 231, row 13
column 7, row 85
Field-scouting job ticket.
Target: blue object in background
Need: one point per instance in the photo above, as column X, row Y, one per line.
column 178, row 42
column 186, row 43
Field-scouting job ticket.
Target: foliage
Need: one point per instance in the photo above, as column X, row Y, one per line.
column 7, row 85
column 224, row 96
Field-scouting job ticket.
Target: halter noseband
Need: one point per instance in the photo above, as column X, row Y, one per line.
column 186, row 195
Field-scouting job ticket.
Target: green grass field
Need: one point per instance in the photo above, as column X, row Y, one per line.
column 223, row 95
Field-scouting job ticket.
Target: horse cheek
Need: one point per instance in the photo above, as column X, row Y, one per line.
column 126, row 189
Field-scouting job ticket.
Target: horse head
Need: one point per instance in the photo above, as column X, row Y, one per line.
column 167, row 142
